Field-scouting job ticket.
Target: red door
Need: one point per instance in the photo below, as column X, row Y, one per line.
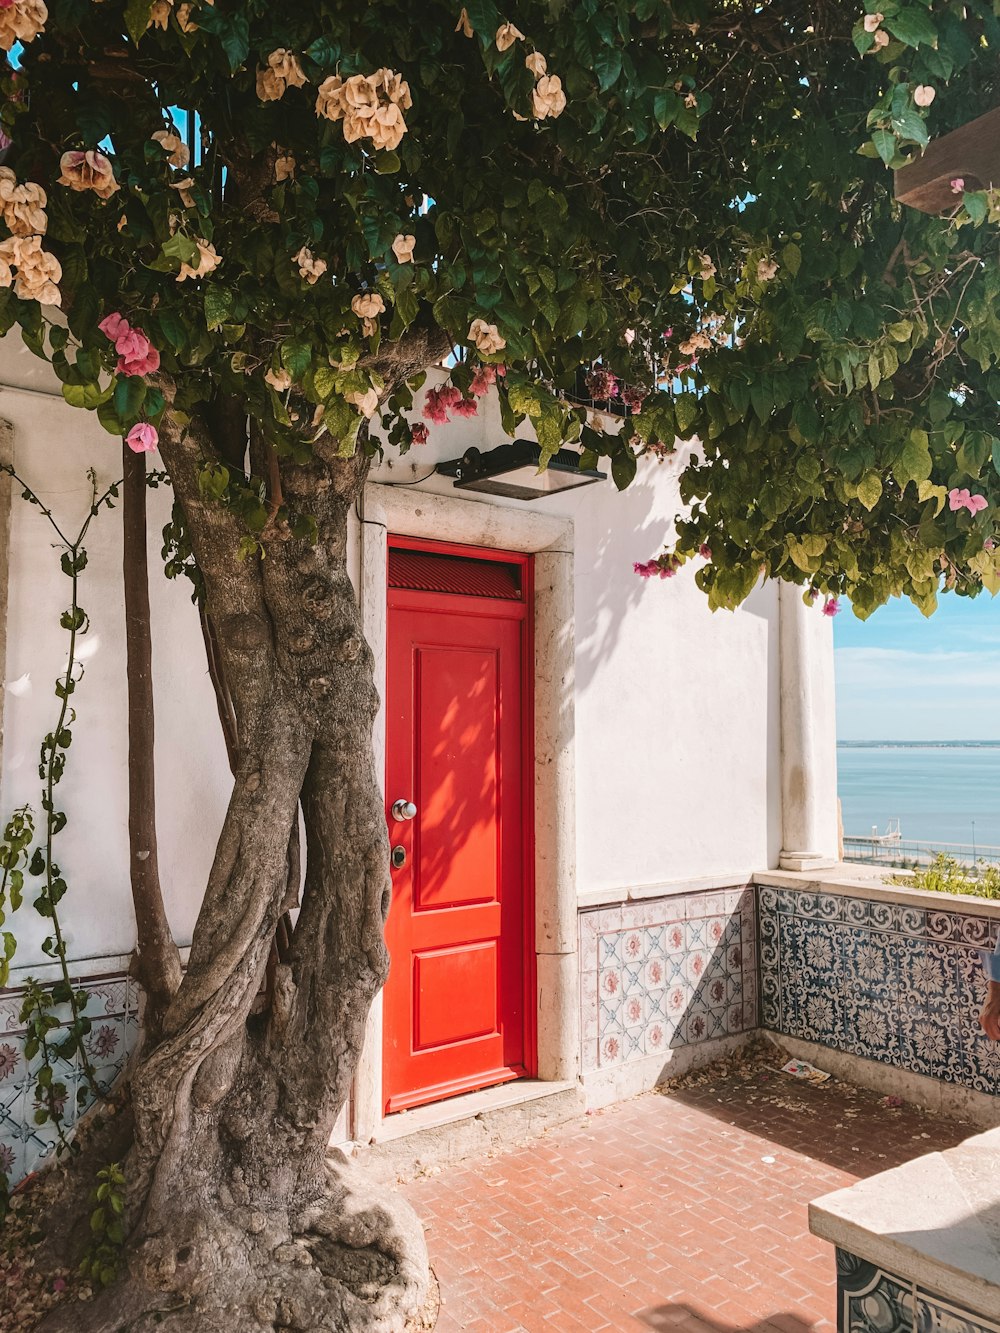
column 457, row 746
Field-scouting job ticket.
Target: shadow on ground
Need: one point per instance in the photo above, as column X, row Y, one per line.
column 683, row 1319
column 849, row 1128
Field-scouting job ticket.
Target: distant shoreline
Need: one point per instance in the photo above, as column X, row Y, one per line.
column 918, row 745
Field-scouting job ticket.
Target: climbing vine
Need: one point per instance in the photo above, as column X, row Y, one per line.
column 49, row 1034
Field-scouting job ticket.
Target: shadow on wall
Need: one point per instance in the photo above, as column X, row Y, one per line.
column 684, row 1319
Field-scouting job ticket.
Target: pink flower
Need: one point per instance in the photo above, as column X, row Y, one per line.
column 601, row 383
column 831, row 607
column 8, row 1059
column 483, row 380
column 666, row 566
column 466, row 407
column 142, row 438
column 439, row 402
column 419, row 433
column 705, row 552
column 962, row 499
column 989, row 544
column 634, row 398
column 958, row 185
column 136, row 355
column 113, row 325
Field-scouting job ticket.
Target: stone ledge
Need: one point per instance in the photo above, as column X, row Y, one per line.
column 857, row 881
column 675, row 888
column 934, row 1221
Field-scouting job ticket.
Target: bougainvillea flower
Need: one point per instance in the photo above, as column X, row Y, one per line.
column 962, row 499
column 142, row 438
column 831, row 607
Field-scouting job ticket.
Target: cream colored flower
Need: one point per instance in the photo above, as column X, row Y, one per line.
column 690, row 100
column 881, row 39
column 487, row 337
column 366, row 305
column 872, row 21
column 507, row 35
column 370, row 105
column 707, row 269
column 22, row 21
column 366, row 403
column 22, row 207
column 284, row 167
column 402, row 248
column 282, row 71
column 464, row 24
column 279, row 380
column 766, row 270
column 208, row 261
column 310, row 268
column 37, row 271
column 159, row 14
column 548, row 98
column 536, row 63
column 184, row 189
column 184, row 20
column 88, row 171
column 6, row 262
column 924, row 94
column 174, row 146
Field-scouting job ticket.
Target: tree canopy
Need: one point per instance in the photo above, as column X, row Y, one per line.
column 682, row 207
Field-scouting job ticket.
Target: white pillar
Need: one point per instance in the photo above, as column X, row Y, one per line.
column 808, row 735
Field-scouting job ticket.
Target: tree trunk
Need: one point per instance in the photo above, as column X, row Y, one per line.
column 237, row 1219
column 158, row 963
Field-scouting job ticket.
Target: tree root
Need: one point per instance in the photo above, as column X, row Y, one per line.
column 354, row 1261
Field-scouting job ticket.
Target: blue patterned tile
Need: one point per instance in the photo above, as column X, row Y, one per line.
column 869, row 1300
column 936, row 1315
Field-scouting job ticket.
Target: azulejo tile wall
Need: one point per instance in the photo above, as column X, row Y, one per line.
column 113, row 1008
column 870, row 1300
column 666, row 972
column 885, row 981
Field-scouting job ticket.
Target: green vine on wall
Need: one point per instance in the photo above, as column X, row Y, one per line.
column 43, row 1007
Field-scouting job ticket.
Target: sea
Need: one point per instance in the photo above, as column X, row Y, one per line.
column 939, row 791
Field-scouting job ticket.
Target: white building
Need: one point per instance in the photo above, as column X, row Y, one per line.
column 636, row 758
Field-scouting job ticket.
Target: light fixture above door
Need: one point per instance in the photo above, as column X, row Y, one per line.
column 512, row 470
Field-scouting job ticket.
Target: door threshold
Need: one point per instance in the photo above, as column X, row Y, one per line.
column 468, row 1106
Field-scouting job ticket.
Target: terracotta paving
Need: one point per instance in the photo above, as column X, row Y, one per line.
column 683, row 1213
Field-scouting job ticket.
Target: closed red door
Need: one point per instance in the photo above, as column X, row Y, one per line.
column 457, row 742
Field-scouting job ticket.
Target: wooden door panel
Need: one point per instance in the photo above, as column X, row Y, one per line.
column 455, row 1012
column 457, row 766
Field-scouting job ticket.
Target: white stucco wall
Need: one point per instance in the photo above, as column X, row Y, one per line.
column 677, row 710
column 53, row 447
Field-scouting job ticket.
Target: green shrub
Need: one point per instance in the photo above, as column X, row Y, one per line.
column 947, row 875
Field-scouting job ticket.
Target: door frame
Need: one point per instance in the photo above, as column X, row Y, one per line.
column 394, row 511
column 525, row 564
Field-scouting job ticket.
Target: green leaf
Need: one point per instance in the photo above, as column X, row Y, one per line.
column 87, row 395
column 296, row 356
column 914, row 462
column 608, row 66
column 791, row 257
column 623, row 467
column 870, row 490
column 137, row 17
column 129, row 396
column 885, row 144
column 686, row 413
column 218, row 305
column 912, row 26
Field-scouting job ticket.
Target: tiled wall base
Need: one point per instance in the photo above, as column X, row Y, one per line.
column 667, row 973
column 870, row 1300
column 889, row 982
column 113, row 1007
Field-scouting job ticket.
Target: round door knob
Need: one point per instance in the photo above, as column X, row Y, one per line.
column 402, row 810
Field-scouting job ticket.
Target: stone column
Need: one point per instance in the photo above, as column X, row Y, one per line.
column 808, row 735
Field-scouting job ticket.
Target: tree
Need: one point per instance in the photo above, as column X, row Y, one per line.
column 262, row 224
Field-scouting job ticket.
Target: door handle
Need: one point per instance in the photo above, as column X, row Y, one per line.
column 403, row 810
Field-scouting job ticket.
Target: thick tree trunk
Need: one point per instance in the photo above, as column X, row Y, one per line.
column 237, row 1219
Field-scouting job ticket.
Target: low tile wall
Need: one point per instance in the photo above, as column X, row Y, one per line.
column 890, row 982
column 663, row 973
column 113, row 1007
column 870, row 1300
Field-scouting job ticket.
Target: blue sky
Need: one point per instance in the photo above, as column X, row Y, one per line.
column 903, row 677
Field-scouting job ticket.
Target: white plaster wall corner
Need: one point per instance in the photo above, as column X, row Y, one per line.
column 808, row 735
column 408, row 512
column 6, row 483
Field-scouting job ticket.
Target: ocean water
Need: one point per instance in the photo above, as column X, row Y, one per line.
column 934, row 790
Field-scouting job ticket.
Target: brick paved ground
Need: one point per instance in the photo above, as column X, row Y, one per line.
column 682, row 1214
